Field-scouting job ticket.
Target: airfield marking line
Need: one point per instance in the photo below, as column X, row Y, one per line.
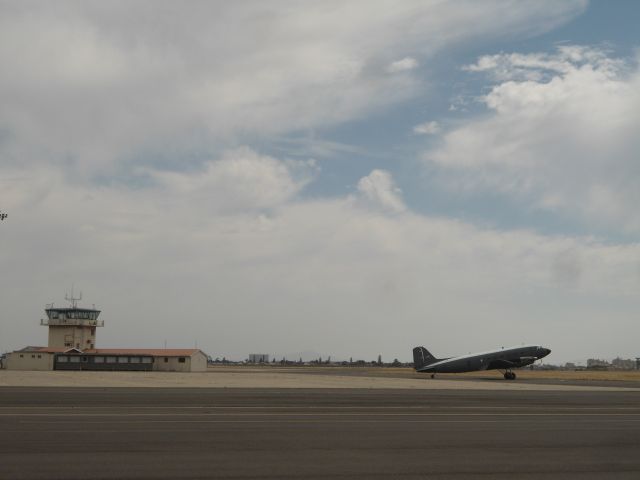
column 310, row 407
column 488, row 410
column 128, row 422
column 285, row 421
column 320, row 414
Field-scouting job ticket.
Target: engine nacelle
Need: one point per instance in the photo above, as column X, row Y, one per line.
column 527, row 360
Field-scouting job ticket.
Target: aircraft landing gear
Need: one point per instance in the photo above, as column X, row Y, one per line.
column 508, row 375
column 433, row 375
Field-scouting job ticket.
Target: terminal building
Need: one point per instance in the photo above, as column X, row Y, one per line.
column 72, row 346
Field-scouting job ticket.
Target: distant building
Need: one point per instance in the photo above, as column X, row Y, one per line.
column 616, row 364
column 623, row 364
column 596, row 363
column 72, row 341
column 258, row 358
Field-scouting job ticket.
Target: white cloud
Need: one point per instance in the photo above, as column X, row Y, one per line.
column 237, row 279
column 240, row 180
column 427, row 128
column 97, row 84
column 561, row 132
column 403, row 65
column 226, row 245
column 379, row 189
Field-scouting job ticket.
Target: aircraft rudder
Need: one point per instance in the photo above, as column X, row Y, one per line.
column 422, row 357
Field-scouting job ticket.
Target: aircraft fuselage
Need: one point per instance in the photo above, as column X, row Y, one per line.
column 502, row 359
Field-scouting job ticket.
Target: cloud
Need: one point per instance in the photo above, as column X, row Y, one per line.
column 379, row 189
column 403, row 65
column 99, row 85
column 238, row 278
column 427, row 128
column 559, row 133
column 121, row 172
column 241, row 180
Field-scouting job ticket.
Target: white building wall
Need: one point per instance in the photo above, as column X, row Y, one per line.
column 199, row 362
column 172, row 364
column 192, row 363
column 70, row 336
column 30, row 361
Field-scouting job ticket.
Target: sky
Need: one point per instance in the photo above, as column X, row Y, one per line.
column 344, row 179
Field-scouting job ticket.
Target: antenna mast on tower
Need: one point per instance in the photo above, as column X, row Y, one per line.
column 72, row 299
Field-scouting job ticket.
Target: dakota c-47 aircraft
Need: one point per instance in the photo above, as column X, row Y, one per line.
column 503, row 359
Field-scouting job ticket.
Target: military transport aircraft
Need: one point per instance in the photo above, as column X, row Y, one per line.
column 502, row 359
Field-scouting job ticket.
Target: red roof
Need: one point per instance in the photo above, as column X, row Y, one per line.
column 156, row 352
column 49, row 350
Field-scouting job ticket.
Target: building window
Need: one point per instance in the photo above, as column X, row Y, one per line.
column 98, row 359
column 147, row 360
column 123, row 359
column 33, row 356
column 166, row 360
column 181, row 360
column 39, row 356
column 74, row 359
column 63, row 359
column 112, row 359
column 21, row 356
column 134, row 360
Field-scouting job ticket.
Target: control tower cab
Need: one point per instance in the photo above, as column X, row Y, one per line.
column 72, row 327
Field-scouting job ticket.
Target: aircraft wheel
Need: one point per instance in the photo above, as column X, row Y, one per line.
column 433, row 375
column 513, row 376
column 507, row 376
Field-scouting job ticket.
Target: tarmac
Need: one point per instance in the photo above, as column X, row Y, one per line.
column 318, row 433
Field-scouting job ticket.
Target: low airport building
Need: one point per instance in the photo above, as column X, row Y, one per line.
column 72, row 346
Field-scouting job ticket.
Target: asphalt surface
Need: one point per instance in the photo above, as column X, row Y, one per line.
column 147, row 433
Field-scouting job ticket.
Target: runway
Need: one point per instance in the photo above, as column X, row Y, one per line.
column 144, row 433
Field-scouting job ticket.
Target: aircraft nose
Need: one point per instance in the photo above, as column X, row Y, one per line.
column 544, row 352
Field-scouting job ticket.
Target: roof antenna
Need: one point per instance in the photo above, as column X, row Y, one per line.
column 72, row 299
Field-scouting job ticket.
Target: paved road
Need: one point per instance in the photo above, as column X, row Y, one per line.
column 50, row 433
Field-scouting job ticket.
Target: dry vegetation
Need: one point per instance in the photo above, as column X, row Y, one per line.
column 393, row 372
column 325, row 377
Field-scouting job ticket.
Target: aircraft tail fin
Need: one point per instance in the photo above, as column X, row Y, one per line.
column 422, row 357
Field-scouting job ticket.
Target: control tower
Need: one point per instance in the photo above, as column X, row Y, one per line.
column 72, row 327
